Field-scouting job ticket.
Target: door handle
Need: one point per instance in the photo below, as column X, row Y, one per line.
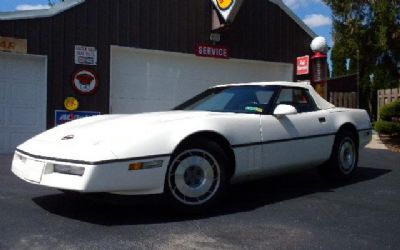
column 322, row 119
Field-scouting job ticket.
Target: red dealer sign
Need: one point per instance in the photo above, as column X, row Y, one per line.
column 303, row 65
column 215, row 51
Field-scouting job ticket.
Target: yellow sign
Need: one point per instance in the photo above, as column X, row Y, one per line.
column 9, row 44
column 224, row 4
column 71, row 103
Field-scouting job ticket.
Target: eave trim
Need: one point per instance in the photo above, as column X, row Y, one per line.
column 295, row 18
column 33, row 14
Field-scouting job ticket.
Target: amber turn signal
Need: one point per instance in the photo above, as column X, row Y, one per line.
column 136, row 166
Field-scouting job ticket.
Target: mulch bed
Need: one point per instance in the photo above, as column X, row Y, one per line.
column 392, row 142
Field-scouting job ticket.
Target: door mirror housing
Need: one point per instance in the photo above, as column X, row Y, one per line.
column 284, row 109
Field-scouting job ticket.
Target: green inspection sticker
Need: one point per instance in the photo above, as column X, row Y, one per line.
column 255, row 109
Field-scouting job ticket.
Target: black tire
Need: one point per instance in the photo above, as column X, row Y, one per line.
column 196, row 177
column 344, row 157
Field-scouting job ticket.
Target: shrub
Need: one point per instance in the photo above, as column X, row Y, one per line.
column 390, row 111
column 385, row 127
column 389, row 119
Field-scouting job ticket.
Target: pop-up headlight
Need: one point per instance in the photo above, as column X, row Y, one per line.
column 70, row 170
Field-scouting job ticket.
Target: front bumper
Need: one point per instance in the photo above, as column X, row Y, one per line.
column 111, row 177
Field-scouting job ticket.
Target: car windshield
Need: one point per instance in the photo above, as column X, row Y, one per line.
column 238, row 99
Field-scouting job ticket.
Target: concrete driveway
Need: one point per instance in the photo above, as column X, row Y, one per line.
column 297, row 211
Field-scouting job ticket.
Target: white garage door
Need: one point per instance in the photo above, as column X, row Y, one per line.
column 22, row 98
column 146, row 80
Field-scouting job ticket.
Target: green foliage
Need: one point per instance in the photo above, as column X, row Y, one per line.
column 367, row 33
column 389, row 128
column 389, row 111
column 339, row 57
column 386, row 124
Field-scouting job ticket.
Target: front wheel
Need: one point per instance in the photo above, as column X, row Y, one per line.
column 344, row 157
column 196, row 176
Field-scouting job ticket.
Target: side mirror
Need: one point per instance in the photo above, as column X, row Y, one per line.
column 284, row 109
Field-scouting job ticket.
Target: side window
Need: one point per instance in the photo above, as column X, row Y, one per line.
column 264, row 96
column 299, row 98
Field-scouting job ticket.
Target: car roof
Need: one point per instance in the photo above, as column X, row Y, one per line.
column 277, row 83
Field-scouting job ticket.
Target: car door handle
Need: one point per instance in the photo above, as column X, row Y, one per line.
column 322, row 119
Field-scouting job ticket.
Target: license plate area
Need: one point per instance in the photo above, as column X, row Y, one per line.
column 33, row 170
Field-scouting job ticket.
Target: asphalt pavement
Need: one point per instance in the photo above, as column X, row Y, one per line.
column 296, row 211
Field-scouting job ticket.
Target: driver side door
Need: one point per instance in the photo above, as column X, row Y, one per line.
column 296, row 140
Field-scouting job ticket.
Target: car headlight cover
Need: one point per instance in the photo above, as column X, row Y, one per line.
column 70, row 170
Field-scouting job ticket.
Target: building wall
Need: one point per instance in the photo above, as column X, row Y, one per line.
column 262, row 31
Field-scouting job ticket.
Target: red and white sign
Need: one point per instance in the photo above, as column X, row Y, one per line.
column 85, row 81
column 303, row 65
column 215, row 51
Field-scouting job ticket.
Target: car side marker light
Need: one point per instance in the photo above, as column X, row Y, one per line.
column 145, row 165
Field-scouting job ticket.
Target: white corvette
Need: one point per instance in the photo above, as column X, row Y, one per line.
column 227, row 134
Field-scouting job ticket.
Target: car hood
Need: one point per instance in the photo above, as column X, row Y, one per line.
column 96, row 129
column 109, row 136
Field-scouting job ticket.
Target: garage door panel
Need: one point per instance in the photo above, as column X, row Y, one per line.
column 3, row 142
column 23, row 117
column 22, row 94
column 166, row 85
column 145, row 80
column 16, row 138
column 157, row 105
column 165, row 67
column 129, row 106
column 131, row 87
column 2, row 116
column 141, row 87
column 3, row 94
column 23, row 98
column 29, row 66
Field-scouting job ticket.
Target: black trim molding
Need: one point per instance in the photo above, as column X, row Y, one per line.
column 286, row 140
column 149, row 157
column 282, row 140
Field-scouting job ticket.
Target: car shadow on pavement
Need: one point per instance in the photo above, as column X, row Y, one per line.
column 153, row 209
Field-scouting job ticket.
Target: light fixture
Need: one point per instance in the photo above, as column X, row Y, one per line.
column 69, row 170
column 145, row 165
column 215, row 37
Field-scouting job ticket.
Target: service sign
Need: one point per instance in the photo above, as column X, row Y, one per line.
column 303, row 65
column 9, row 44
column 215, row 51
column 227, row 8
column 85, row 55
column 64, row 116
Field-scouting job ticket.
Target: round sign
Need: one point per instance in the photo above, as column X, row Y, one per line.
column 224, row 4
column 71, row 103
column 85, row 81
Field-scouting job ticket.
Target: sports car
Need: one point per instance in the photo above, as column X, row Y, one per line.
column 227, row 134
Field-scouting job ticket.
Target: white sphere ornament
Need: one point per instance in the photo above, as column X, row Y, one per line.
column 319, row 44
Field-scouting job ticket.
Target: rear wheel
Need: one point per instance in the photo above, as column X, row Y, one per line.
column 196, row 177
column 344, row 158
